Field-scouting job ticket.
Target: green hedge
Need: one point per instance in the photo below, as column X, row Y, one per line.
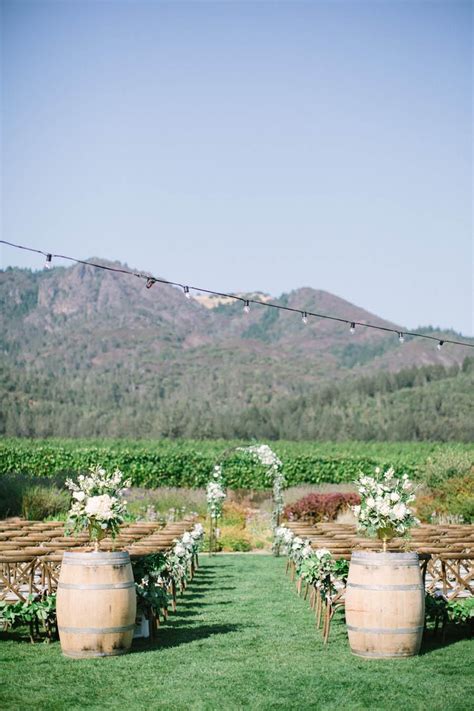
column 189, row 463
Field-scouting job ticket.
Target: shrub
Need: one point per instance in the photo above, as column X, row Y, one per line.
column 167, row 503
column 320, row 507
column 11, row 492
column 234, row 514
column 447, row 464
column 40, row 502
column 18, row 497
column 234, row 538
column 452, row 501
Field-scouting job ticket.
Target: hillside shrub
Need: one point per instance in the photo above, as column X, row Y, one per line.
column 320, row 507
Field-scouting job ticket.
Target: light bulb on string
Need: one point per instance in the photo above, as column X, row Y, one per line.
column 246, row 307
column 352, row 327
column 401, row 337
column 186, row 292
column 47, row 264
column 440, row 345
column 150, row 282
column 304, row 317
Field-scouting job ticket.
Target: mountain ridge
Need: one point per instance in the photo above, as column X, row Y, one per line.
column 104, row 341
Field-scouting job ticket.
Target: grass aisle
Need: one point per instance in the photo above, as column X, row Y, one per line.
column 241, row 639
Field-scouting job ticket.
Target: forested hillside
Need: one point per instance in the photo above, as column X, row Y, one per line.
column 92, row 354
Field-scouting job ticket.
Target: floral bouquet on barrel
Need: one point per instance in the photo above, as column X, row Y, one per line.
column 384, row 511
column 98, row 504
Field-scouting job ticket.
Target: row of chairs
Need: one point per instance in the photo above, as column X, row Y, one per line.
column 31, row 553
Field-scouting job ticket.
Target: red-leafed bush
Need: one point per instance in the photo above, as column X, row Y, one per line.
column 320, row 507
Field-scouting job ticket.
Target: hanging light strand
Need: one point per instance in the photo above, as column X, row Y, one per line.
column 349, row 322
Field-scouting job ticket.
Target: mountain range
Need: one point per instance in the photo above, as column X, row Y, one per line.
column 87, row 352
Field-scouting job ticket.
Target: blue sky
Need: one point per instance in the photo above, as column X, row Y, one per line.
column 248, row 145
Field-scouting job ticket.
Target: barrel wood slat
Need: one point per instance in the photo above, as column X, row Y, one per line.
column 384, row 605
column 96, row 604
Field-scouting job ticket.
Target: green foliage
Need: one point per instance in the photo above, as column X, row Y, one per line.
column 234, row 538
column 11, row 493
column 40, row 502
column 149, row 572
column 189, row 463
column 35, row 611
column 359, row 353
column 453, row 497
column 440, row 611
column 263, row 329
column 166, row 503
column 235, row 543
column 445, row 464
column 462, row 610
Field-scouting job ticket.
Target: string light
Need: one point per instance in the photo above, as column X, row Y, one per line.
column 304, row 317
column 186, row 292
column 153, row 280
column 352, row 328
column 440, row 345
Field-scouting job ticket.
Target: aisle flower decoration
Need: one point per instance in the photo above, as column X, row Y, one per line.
column 283, row 537
column 98, row 504
column 384, row 510
column 156, row 573
column 215, row 495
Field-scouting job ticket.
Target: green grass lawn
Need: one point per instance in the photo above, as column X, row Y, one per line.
column 241, row 638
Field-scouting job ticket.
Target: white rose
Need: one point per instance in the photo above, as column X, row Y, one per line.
column 79, row 495
column 179, row 550
column 384, row 509
column 370, row 502
column 321, row 552
column 400, row 511
column 100, row 507
column 394, row 496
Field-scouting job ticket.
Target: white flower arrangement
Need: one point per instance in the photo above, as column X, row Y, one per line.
column 182, row 553
column 384, row 510
column 215, row 493
column 98, row 503
column 316, row 567
column 283, row 537
column 264, row 454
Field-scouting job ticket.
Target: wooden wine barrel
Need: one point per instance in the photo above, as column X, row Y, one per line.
column 385, row 604
column 96, row 604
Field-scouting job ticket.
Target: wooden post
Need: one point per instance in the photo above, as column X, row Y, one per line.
column 211, row 535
